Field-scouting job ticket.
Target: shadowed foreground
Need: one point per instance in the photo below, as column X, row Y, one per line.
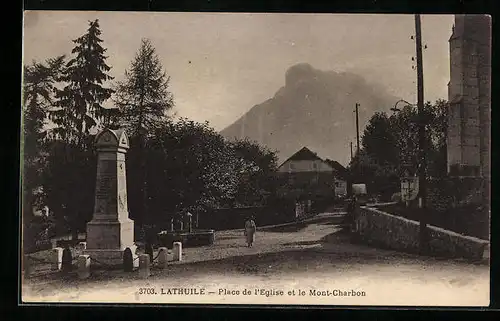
column 282, row 261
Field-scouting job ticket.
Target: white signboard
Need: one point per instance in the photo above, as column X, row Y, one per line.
column 359, row 189
column 409, row 188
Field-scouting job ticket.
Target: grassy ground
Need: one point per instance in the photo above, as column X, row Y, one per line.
column 315, row 256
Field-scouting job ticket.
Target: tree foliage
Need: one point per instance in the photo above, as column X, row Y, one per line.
column 143, row 97
column 172, row 166
column 257, row 168
column 38, row 86
column 80, row 102
column 143, row 100
column 192, row 167
column 390, row 147
column 69, row 184
column 69, row 174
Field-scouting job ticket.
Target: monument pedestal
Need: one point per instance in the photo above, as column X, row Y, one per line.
column 107, row 240
column 112, row 257
column 111, row 232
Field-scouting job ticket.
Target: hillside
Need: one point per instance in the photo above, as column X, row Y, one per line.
column 315, row 109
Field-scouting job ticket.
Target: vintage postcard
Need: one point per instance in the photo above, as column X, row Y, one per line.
column 253, row 158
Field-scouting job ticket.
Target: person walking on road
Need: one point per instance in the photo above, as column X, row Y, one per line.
column 250, row 228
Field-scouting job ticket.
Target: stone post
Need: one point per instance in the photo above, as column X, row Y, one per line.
column 144, row 266
column 110, row 231
column 190, row 222
column 177, row 251
column 83, row 266
column 56, row 255
column 162, row 257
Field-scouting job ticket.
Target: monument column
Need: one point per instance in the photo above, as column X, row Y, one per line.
column 110, row 231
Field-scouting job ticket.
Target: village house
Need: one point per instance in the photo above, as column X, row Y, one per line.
column 341, row 175
column 309, row 179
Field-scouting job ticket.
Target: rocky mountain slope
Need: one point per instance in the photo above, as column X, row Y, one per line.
column 315, row 109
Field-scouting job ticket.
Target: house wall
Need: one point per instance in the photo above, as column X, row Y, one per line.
column 301, row 184
column 304, row 166
column 309, row 179
column 340, row 187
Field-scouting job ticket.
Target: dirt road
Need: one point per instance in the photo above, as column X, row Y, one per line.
column 285, row 266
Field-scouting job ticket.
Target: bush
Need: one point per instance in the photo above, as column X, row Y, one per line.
column 35, row 236
column 396, row 197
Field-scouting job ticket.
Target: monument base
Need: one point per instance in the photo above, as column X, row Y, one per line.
column 110, row 257
column 110, row 233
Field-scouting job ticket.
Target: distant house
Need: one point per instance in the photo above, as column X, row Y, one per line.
column 341, row 177
column 306, row 175
column 304, row 161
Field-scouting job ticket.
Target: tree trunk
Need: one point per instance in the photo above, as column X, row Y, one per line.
column 74, row 233
column 80, row 131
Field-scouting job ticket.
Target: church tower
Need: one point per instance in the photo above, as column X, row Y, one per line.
column 469, row 89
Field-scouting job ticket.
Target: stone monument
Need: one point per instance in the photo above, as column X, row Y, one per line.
column 110, row 231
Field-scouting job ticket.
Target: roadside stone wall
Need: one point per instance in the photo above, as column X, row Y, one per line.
column 398, row 233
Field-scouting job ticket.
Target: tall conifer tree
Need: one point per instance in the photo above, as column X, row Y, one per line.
column 38, row 85
column 80, row 101
column 143, row 97
column 144, row 100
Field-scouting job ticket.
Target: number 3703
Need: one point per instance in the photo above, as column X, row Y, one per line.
column 147, row 291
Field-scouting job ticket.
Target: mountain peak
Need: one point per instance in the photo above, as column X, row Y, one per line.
column 313, row 109
column 299, row 72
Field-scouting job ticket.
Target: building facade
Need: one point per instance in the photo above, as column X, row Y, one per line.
column 469, row 92
column 306, row 175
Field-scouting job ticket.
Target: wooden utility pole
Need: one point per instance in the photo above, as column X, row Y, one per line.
column 421, row 135
column 357, row 128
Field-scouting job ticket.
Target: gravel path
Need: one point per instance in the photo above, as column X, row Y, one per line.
column 284, row 260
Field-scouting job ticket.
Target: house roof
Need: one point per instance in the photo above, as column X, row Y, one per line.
column 341, row 170
column 336, row 165
column 303, row 154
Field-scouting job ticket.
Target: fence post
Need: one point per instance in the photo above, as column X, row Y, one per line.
column 83, row 266
column 162, row 257
column 67, row 260
column 149, row 251
column 56, row 258
column 177, row 251
column 144, row 265
column 128, row 260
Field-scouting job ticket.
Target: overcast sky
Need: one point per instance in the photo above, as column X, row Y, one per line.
column 239, row 60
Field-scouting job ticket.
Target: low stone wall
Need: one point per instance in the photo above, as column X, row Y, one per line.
column 399, row 233
column 234, row 218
